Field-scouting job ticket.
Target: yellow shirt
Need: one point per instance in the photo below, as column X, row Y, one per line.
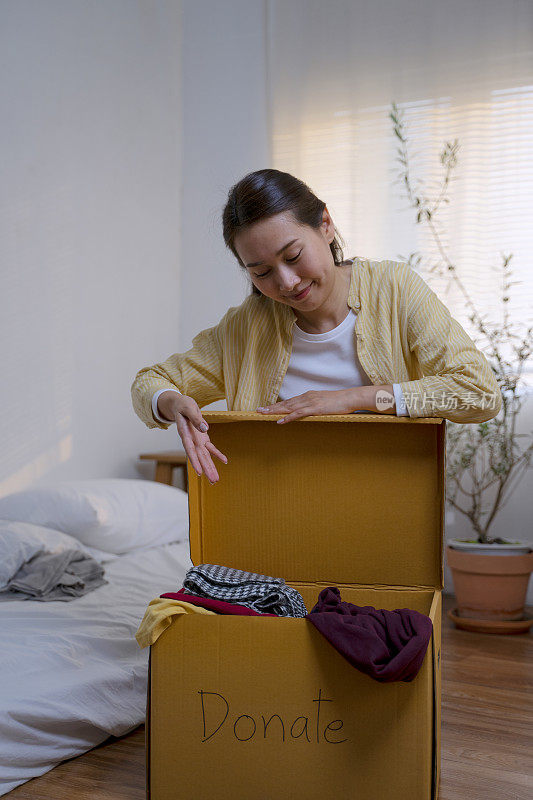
column 404, row 335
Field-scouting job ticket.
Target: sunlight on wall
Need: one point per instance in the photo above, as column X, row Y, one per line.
column 40, row 324
column 40, row 466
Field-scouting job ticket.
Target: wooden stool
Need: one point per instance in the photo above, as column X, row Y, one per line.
column 165, row 463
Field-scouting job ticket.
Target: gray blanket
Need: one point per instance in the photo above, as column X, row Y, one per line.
column 55, row 576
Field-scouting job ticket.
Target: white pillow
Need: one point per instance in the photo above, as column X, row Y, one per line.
column 115, row 515
column 21, row 541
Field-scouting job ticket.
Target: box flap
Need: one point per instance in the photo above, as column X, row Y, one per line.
column 148, row 728
column 356, row 498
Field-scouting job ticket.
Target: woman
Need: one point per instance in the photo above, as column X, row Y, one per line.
column 317, row 335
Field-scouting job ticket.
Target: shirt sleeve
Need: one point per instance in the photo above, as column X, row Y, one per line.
column 197, row 373
column 401, row 408
column 458, row 382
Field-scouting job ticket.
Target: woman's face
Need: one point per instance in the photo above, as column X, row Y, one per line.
column 289, row 262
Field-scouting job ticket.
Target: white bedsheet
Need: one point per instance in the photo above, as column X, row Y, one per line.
column 72, row 673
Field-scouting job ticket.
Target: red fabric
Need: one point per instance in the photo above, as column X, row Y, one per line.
column 211, row 604
column 386, row 645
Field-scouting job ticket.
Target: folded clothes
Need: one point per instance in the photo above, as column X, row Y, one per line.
column 386, row 645
column 219, row 606
column 55, row 576
column 260, row 592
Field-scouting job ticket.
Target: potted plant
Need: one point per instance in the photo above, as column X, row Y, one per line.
column 485, row 461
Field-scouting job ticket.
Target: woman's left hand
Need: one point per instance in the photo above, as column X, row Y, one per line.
column 310, row 404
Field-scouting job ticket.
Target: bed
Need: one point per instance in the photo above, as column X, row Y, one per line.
column 72, row 672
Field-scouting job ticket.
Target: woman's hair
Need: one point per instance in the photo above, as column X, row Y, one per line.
column 266, row 192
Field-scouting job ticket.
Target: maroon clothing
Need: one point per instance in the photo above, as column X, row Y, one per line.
column 220, row 606
column 386, row 645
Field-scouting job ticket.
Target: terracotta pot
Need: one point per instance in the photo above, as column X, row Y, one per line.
column 490, row 587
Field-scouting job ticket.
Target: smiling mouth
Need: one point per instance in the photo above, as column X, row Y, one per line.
column 302, row 294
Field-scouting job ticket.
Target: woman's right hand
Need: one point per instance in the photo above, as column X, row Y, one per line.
column 189, row 421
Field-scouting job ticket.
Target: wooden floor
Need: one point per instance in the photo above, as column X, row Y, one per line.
column 487, row 731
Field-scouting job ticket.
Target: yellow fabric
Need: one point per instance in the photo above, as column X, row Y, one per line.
column 405, row 335
column 158, row 616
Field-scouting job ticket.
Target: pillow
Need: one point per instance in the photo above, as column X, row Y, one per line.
column 116, row 515
column 21, row 541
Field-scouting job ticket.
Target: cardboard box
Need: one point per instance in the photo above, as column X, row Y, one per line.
column 243, row 708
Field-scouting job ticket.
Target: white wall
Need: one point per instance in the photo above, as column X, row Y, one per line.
column 90, row 235
column 225, row 136
column 102, row 102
